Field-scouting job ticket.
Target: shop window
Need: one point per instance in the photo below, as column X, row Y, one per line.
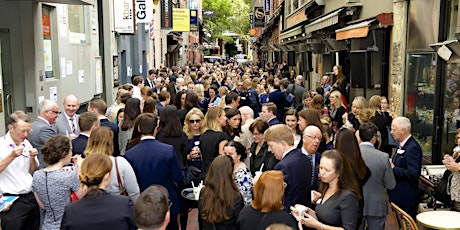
column 454, row 28
column 77, row 24
column 48, row 37
column 288, row 5
column 420, row 86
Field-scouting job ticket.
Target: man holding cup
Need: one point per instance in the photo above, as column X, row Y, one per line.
column 18, row 160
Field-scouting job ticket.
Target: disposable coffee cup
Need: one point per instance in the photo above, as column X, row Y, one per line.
column 196, row 192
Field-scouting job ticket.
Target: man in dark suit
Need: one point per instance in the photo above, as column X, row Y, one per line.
column 44, row 127
column 311, row 139
column 98, row 106
column 279, row 99
column 67, row 123
column 375, row 199
column 268, row 113
column 295, row 166
column 156, row 163
column 406, row 165
column 88, row 121
column 150, row 81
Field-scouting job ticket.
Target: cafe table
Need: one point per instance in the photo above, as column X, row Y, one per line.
column 447, row 220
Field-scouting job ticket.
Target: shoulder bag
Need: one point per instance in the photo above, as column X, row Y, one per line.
column 120, row 184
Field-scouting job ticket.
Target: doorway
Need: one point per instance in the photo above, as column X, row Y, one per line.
column 6, row 80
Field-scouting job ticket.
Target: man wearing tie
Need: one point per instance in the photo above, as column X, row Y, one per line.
column 68, row 123
column 406, row 164
column 311, row 139
column 151, row 78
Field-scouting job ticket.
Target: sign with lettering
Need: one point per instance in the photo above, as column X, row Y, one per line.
column 259, row 16
column 181, row 20
column 267, row 7
column 166, row 13
column 144, row 11
column 193, row 20
column 124, row 17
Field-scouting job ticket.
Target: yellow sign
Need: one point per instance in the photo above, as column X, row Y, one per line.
column 181, row 20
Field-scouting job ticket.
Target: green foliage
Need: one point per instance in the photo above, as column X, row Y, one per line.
column 231, row 15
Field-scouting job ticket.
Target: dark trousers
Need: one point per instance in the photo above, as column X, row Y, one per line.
column 24, row 214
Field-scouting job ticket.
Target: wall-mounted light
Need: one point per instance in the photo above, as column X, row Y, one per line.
column 156, row 2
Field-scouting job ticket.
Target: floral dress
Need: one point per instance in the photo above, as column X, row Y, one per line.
column 244, row 182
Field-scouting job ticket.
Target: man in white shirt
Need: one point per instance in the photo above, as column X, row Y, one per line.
column 138, row 83
column 18, row 160
column 311, row 140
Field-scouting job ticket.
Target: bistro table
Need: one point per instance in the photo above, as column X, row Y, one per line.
column 448, row 220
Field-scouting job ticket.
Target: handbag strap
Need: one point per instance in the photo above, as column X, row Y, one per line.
column 120, row 184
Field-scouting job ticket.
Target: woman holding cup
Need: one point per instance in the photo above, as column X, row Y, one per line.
column 242, row 175
column 451, row 163
column 260, row 159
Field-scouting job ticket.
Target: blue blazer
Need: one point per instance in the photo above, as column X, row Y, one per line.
column 315, row 182
column 408, row 165
column 296, row 168
column 274, row 121
column 79, row 145
column 114, row 127
column 101, row 211
column 279, row 99
column 156, row 163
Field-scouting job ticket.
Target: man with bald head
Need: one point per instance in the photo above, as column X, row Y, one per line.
column 67, row 123
column 311, row 140
column 44, row 127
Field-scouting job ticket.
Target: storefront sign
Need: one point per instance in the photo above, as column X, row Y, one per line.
column 166, row 13
column 144, row 9
column 267, row 7
column 181, row 20
column 193, row 20
column 124, row 17
column 259, row 16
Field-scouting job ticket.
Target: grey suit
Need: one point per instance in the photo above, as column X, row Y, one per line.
column 375, row 196
column 62, row 125
column 41, row 132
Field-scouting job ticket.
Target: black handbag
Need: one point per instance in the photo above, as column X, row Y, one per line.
column 192, row 173
column 442, row 187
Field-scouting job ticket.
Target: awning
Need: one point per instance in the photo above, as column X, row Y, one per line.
column 68, row 2
column 448, row 50
column 358, row 30
column 176, row 36
column 290, row 33
column 323, row 22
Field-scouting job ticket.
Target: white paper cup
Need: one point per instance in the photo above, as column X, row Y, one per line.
column 196, row 192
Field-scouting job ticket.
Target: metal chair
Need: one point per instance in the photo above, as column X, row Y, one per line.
column 403, row 219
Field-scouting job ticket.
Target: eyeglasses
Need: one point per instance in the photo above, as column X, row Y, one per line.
column 56, row 112
column 194, row 121
column 313, row 137
column 240, row 85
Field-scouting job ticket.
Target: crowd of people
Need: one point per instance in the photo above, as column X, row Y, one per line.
column 268, row 150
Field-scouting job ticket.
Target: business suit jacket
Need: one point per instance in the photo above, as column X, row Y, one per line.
column 114, row 127
column 101, row 211
column 315, row 176
column 41, row 132
column 296, row 168
column 62, row 125
column 156, row 163
column 408, row 165
column 374, row 193
column 279, row 99
column 79, row 144
column 273, row 121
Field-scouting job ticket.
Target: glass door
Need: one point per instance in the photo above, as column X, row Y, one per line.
column 419, row 106
column 451, row 108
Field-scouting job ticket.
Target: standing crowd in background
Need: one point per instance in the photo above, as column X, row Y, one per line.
column 269, row 150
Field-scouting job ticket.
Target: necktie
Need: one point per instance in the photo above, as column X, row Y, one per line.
column 312, row 168
column 73, row 125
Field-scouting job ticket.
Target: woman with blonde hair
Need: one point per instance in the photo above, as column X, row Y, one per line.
column 337, row 109
column 212, row 141
column 98, row 207
column 356, row 105
column 101, row 141
column 382, row 120
column 267, row 206
column 223, row 91
column 203, row 101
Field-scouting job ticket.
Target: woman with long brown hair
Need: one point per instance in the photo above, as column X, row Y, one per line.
column 220, row 200
column 339, row 202
column 101, row 141
column 267, row 206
